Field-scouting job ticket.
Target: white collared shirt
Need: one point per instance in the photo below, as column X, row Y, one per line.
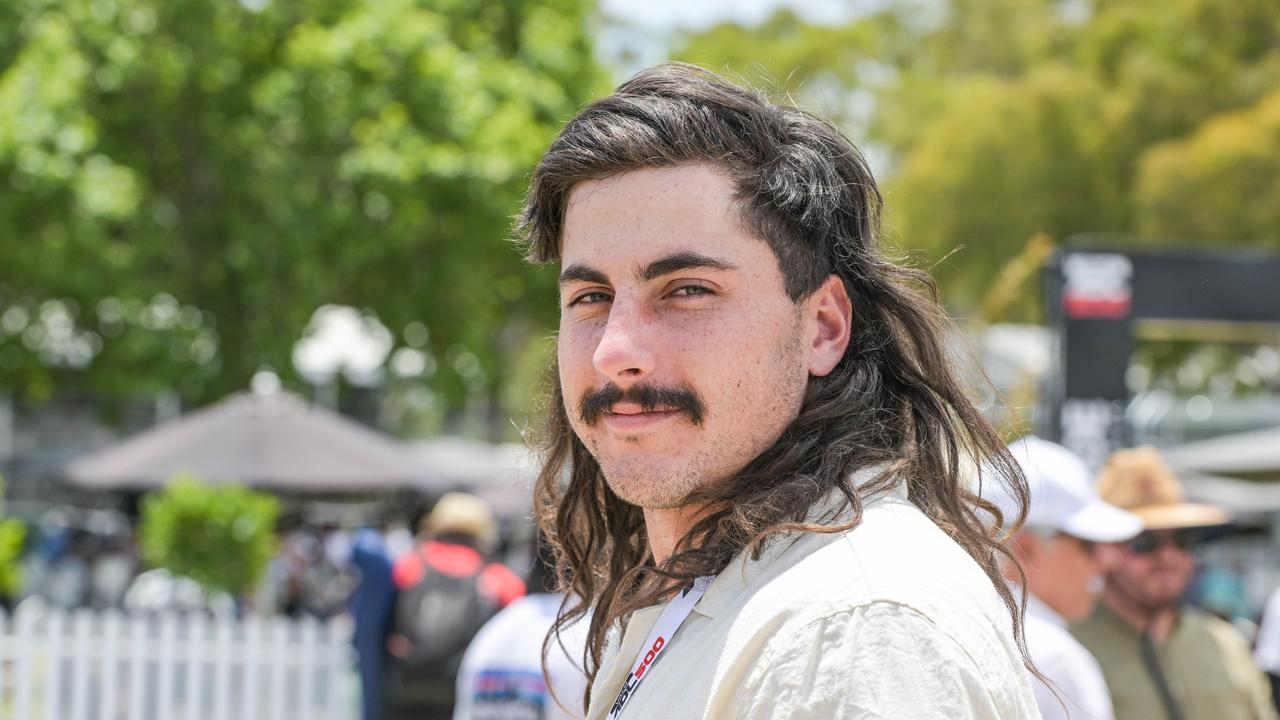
column 1068, row 664
column 1267, row 649
column 891, row 620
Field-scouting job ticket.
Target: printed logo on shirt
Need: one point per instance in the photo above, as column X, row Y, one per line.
column 508, row 695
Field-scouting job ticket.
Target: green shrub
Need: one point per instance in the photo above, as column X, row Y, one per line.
column 220, row 536
column 12, row 535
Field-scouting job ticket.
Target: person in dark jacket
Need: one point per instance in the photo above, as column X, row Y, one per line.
column 372, row 607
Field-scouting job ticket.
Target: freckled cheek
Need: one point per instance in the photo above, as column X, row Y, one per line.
column 722, row 359
column 721, row 331
column 575, row 348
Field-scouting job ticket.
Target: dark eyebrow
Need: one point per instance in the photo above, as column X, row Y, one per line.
column 682, row 261
column 582, row 273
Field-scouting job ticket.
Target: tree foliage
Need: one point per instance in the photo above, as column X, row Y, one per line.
column 993, row 120
column 220, row 536
column 185, row 183
column 1221, row 182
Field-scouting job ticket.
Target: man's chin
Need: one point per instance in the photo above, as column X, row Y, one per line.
column 647, row 498
column 646, row 485
column 1162, row 600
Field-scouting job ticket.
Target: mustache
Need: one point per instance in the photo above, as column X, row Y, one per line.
column 595, row 403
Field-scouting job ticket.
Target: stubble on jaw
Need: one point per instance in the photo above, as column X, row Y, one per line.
column 650, row 488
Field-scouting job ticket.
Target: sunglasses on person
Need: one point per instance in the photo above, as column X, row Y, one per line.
column 1152, row 540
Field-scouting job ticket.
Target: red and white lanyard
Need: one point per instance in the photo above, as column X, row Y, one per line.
column 673, row 616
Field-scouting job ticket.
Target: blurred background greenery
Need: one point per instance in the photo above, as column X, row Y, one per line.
column 183, row 186
column 221, row 536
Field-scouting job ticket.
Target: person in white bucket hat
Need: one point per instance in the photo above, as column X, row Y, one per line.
column 1064, row 549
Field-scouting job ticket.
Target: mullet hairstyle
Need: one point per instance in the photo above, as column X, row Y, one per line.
column 894, row 397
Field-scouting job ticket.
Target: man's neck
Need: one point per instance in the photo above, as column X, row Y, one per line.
column 665, row 527
column 1158, row 623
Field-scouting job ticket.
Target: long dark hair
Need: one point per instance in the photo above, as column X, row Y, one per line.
column 894, row 397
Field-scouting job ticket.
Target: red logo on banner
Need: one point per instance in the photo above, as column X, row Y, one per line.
column 1097, row 286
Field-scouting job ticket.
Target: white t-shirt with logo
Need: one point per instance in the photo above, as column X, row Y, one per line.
column 501, row 673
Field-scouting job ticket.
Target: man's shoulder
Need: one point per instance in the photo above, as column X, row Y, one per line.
column 1211, row 629
column 891, row 599
column 895, row 556
column 1055, row 650
column 889, row 658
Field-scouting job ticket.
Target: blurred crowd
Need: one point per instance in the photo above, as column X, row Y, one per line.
column 1121, row 620
column 1108, row 568
column 416, row 602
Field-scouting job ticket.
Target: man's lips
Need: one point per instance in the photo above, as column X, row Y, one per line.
column 630, row 408
column 629, row 416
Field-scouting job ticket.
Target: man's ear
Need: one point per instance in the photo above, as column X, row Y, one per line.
column 830, row 321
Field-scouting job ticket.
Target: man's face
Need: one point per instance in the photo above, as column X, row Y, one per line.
column 681, row 356
column 1157, row 576
column 1066, row 574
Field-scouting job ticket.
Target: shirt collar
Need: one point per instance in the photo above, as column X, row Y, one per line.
column 743, row 571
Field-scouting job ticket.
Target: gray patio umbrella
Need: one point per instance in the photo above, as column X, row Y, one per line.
column 1253, row 455
column 276, row 440
column 1238, row 471
column 501, row 474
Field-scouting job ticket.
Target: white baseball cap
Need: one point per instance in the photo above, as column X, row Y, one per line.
column 1062, row 495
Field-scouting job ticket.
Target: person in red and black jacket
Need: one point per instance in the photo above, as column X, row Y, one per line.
column 454, row 538
column 447, row 591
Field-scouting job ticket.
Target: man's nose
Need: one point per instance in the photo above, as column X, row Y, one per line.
column 625, row 352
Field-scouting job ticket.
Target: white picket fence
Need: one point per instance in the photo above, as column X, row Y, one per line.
column 86, row 665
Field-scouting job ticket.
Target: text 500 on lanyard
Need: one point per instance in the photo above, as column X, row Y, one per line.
column 673, row 616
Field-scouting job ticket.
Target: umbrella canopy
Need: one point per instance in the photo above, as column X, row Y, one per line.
column 272, row 440
column 1249, row 503
column 501, row 474
column 1253, row 455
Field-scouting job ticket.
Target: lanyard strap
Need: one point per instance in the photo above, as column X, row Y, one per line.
column 673, row 616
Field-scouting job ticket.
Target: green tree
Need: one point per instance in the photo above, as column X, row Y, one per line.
column 1221, row 182
column 238, row 164
column 1014, row 160
column 220, row 536
column 993, row 120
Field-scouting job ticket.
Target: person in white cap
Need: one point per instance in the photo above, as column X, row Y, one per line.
column 1063, row 549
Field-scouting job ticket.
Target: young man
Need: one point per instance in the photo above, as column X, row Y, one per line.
column 1064, row 547
column 762, row 437
column 1161, row 658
